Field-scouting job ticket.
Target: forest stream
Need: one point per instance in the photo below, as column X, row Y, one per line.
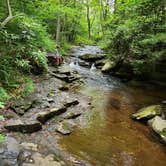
column 108, row 135
column 104, row 134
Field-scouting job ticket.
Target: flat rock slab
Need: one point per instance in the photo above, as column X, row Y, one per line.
column 10, row 151
column 147, row 112
column 65, row 127
column 92, row 57
column 25, row 126
column 72, row 115
column 29, row 146
column 46, row 115
column 70, row 103
column 63, row 77
column 22, row 107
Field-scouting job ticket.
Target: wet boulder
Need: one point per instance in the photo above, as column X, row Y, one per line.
column 65, row 127
column 159, row 126
column 84, row 64
column 108, row 66
column 24, row 126
column 100, row 63
column 10, row 151
column 92, row 57
column 147, row 112
column 46, row 115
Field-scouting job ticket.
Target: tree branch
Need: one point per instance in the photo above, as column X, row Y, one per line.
column 9, row 17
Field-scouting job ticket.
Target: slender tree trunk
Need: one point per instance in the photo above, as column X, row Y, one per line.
column 58, row 27
column 9, row 17
column 88, row 19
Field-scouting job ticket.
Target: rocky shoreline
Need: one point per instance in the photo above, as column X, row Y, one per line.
column 55, row 105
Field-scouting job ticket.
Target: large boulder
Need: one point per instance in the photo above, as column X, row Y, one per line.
column 20, row 125
column 147, row 112
column 10, row 151
column 159, row 126
column 92, row 57
column 108, row 66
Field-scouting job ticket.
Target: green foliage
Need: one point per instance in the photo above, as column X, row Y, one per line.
column 137, row 31
column 28, row 87
column 2, row 137
column 3, row 97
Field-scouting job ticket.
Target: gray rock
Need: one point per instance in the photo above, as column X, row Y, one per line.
column 65, row 78
column 22, row 107
column 72, row 115
column 71, row 103
column 84, row 64
column 29, row 146
column 41, row 160
column 159, row 126
column 10, row 152
column 21, row 125
column 147, row 112
column 46, row 115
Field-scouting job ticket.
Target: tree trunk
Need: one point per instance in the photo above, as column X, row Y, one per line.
column 58, row 29
column 9, row 17
column 88, row 19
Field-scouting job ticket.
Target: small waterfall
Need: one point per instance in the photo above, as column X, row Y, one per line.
column 93, row 68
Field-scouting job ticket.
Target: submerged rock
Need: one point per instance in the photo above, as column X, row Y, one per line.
column 10, row 151
column 65, row 127
column 92, row 57
column 25, row 126
column 147, row 112
column 159, row 126
column 46, row 115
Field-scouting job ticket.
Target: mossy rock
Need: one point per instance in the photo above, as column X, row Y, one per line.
column 65, row 127
column 147, row 112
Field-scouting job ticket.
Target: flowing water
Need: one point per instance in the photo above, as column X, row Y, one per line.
column 107, row 136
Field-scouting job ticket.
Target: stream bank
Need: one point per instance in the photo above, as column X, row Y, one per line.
column 99, row 129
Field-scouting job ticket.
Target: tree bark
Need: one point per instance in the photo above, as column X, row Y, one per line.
column 9, row 17
column 88, row 19
column 58, row 29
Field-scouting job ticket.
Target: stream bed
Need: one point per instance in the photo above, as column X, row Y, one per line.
column 107, row 136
